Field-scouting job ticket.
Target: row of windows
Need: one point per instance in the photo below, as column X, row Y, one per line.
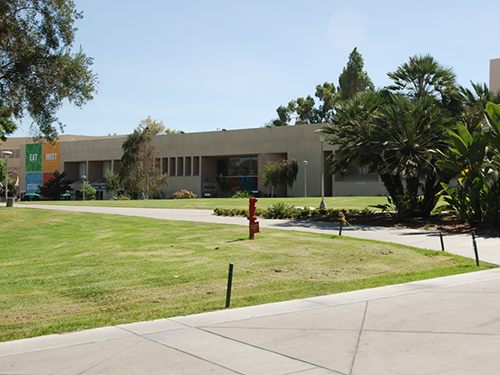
column 15, row 153
column 181, row 166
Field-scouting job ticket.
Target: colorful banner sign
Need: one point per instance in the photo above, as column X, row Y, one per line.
column 41, row 158
column 50, row 157
column 33, row 158
column 47, row 176
column 32, row 182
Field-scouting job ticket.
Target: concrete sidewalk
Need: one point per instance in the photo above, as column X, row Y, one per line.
column 449, row 325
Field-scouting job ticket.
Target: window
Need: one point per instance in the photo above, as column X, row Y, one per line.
column 187, row 169
column 106, row 166
column 359, row 171
column 196, row 166
column 237, row 166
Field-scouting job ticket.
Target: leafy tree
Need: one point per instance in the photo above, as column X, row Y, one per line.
column 12, row 186
column 279, row 173
column 393, row 136
column 475, row 158
column 55, row 186
column 414, row 130
column 7, row 127
column 467, row 159
column 38, row 70
column 89, row 191
column 473, row 104
column 424, row 77
column 2, row 173
column 139, row 173
column 354, row 130
column 157, row 127
column 113, row 181
column 353, row 79
column 172, row 131
column 305, row 111
column 271, row 176
column 151, row 126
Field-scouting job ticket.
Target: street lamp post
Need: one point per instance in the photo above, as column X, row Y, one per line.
column 84, row 178
column 322, row 138
column 305, row 177
column 6, row 172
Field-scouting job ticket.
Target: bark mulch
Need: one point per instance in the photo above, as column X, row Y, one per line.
column 439, row 223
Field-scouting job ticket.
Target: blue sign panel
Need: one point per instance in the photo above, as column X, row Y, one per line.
column 32, row 182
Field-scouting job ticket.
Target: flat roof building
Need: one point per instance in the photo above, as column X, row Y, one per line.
column 210, row 164
column 495, row 75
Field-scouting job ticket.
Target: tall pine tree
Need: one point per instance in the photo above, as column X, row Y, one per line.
column 353, row 79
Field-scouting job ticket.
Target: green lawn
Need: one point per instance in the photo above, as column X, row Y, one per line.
column 212, row 203
column 66, row 271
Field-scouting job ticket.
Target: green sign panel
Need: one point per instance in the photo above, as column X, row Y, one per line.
column 33, row 158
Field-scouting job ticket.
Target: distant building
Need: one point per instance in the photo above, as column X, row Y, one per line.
column 211, row 164
column 495, row 75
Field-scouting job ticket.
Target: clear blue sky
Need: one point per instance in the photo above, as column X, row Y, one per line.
column 199, row 65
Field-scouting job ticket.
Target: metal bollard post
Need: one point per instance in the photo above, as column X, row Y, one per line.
column 442, row 241
column 475, row 247
column 229, row 285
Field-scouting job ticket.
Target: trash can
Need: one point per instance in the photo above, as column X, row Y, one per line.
column 10, row 202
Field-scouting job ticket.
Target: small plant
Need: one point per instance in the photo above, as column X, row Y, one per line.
column 88, row 191
column 302, row 213
column 279, row 211
column 242, row 194
column 184, row 194
column 123, row 197
column 366, row 212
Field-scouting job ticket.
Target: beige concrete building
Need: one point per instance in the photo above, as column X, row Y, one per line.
column 495, row 75
column 210, row 164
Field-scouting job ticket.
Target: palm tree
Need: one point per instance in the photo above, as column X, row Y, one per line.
column 414, row 130
column 474, row 103
column 358, row 128
column 423, row 77
column 353, row 128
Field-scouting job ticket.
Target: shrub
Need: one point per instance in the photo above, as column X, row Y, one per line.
column 279, row 210
column 302, row 213
column 367, row 211
column 242, row 194
column 184, row 194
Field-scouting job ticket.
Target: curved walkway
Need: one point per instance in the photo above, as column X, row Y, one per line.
column 449, row 325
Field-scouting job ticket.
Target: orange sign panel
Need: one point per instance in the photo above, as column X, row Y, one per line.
column 50, row 155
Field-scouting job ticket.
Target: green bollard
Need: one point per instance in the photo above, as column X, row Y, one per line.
column 475, row 247
column 229, row 285
column 341, row 221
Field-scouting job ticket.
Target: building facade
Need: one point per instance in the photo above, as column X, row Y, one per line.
column 495, row 75
column 210, row 164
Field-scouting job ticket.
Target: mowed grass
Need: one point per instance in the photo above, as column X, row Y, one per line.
column 212, row 203
column 66, row 271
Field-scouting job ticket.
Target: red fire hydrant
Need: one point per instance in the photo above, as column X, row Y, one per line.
column 253, row 224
